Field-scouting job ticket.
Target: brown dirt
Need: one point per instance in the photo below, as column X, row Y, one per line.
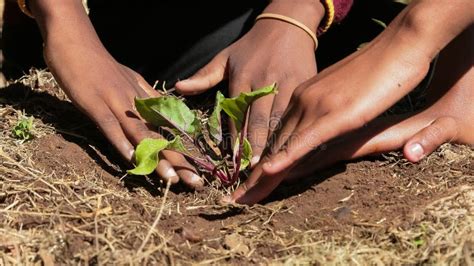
column 63, row 200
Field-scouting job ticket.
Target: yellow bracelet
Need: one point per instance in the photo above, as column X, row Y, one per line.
column 24, row 8
column 292, row 22
column 330, row 14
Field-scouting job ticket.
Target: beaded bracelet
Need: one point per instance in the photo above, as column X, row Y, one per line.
column 329, row 17
column 24, row 8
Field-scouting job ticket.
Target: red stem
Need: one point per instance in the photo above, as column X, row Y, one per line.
column 238, row 158
column 207, row 166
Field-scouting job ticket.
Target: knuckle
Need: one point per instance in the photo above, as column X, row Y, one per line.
column 358, row 121
column 268, row 78
column 258, row 120
column 312, row 139
column 242, row 75
column 275, row 120
column 106, row 120
column 298, row 93
column 333, row 102
column 439, row 131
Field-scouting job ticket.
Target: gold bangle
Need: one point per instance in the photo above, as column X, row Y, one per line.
column 292, row 22
column 330, row 14
column 24, row 8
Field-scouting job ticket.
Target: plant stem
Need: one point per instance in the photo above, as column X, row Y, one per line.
column 238, row 158
column 207, row 166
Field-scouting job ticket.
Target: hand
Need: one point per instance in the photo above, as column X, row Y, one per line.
column 102, row 88
column 351, row 93
column 272, row 51
column 447, row 118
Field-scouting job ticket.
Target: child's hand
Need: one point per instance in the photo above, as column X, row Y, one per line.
column 354, row 91
column 99, row 86
column 272, row 52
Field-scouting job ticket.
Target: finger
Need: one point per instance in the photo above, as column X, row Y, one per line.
column 304, row 140
column 258, row 126
column 110, row 127
column 382, row 135
column 283, row 130
column 136, row 130
column 184, row 169
column 280, row 104
column 142, row 83
column 423, row 143
column 236, row 86
column 255, row 188
column 132, row 82
column 166, row 171
column 206, row 78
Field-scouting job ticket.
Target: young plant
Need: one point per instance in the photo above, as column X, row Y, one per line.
column 205, row 135
column 23, row 130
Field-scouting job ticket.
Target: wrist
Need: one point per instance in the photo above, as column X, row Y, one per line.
column 427, row 35
column 308, row 12
column 51, row 15
column 64, row 23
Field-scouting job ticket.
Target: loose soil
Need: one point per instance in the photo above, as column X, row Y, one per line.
column 65, row 199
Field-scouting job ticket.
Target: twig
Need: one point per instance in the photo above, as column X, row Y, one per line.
column 96, row 227
column 158, row 217
column 41, row 214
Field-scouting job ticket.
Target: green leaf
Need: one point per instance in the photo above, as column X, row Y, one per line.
column 168, row 111
column 177, row 145
column 418, row 242
column 214, row 125
column 23, row 129
column 246, row 155
column 146, row 155
column 236, row 107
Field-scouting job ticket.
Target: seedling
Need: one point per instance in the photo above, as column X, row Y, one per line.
column 203, row 133
column 23, row 129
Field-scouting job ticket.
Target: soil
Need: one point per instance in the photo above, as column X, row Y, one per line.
column 360, row 199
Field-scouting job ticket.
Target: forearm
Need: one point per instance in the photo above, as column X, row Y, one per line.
column 429, row 25
column 65, row 23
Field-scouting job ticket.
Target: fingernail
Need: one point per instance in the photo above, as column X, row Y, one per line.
column 170, row 173
column 255, row 160
column 196, row 179
column 417, row 151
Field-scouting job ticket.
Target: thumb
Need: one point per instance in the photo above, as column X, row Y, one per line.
column 206, row 78
column 427, row 140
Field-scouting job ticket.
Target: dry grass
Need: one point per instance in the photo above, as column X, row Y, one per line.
column 70, row 217
column 445, row 235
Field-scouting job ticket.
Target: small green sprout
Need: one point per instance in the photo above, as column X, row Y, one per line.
column 23, row 129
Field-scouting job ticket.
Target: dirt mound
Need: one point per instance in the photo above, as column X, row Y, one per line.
column 63, row 201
